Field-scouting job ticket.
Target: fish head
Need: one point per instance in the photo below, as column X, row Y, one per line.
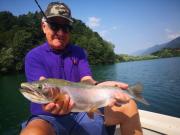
column 38, row 91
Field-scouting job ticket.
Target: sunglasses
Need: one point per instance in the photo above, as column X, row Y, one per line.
column 56, row 27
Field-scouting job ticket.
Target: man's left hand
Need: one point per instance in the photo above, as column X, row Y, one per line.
column 120, row 95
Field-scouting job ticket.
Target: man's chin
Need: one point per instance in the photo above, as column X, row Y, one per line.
column 59, row 46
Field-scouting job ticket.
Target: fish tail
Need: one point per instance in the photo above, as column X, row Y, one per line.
column 136, row 92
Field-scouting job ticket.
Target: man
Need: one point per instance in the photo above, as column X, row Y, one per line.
column 58, row 58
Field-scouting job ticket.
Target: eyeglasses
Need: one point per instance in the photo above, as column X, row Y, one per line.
column 56, row 27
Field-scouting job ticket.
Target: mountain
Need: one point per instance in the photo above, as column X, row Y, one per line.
column 138, row 52
column 175, row 43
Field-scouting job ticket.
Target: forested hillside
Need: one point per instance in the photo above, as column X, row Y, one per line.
column 19, row 34
column 173, row 44
column 167, row 52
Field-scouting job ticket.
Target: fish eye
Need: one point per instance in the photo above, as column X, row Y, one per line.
column 39, row 86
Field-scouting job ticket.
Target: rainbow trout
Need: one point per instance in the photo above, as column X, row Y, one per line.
column 86, row 97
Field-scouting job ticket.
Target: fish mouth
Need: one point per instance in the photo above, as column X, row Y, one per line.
column 29, row 89
column 33, row 94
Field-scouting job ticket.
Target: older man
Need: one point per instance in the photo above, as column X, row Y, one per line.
column 58, row 58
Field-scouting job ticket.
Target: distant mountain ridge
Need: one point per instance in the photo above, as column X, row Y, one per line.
column 175, row 43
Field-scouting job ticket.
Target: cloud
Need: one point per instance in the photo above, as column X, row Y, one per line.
column 105, row 32
column 96, row 24
column 171, row 35
column 93, row 22
column 168, row 30
column 114, row 28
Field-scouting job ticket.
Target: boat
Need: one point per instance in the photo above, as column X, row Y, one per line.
column 157, row 124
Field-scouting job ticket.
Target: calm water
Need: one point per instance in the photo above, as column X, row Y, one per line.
column 161, row 79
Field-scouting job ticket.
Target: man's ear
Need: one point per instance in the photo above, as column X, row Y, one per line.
column 43, row 26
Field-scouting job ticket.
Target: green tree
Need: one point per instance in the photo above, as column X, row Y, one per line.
column 22, row 43
column 19, row 34
column 7, row 59
column 7, row 20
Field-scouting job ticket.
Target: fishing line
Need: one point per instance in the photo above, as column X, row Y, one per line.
column 40, row 9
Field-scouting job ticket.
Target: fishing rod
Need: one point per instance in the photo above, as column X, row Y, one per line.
column 41, row 9
column 53, row 25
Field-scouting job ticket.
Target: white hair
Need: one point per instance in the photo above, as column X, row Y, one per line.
column 43, row 19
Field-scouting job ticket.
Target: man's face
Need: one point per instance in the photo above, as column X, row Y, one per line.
column 57, row 34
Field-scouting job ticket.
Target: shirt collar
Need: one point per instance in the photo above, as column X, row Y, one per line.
column 50, row 49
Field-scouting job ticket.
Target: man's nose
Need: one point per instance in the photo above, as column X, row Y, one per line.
column 61, row 32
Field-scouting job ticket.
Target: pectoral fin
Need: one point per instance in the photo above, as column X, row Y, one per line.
column 90, row 115
column 59, row 97
column 92, row 111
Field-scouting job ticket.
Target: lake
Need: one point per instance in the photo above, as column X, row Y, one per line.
column 160, row 77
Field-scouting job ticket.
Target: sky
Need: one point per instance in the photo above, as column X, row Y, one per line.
column 131, row 25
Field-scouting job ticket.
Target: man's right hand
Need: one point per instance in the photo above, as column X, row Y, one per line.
column 59, row 107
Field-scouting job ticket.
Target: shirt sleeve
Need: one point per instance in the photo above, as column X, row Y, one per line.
column 84, row 68
column 34, row 68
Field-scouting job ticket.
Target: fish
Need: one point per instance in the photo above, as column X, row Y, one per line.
column 87, row 98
